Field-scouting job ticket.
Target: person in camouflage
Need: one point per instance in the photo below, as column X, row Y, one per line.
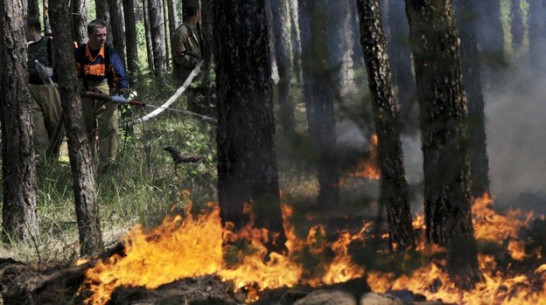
column 48, row 131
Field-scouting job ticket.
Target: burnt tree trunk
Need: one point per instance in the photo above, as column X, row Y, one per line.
column 247, row 167
column 157, row 31
column 79, row 21
column 149, row 47
column 319, row 98
column 536, row 37
column 46, row 25
column 85, row 194
column 118, row 33
column 399, row 51
column 19, row 216
column 394, row 187
column 33, row 9
column 444, row 115
column 131, row 35
column 477, row 150
column 207, row 9
column 296, row 39
column 516, row 22
column 283, row 50
column 103, row 13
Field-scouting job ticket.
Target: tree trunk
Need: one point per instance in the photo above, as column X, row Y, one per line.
column 247, row 167
column 296, row 39
column 444, row 113
column 516, row 22
column 131, row 35
column 47, row 26
column 536, row 37
column 168, row 34
column 19, row 216
column 149, row 47
column 118, row 34
column 319, row 97
column 33, row 9
column 173, row 21
column 84, row 186
column 394, row 188
column 79, row 21
column 399, row 51
column 207, row 9
column 479, row 162
column 103, row 13
column 490, row 37
column 283, row 50
column 155, row 11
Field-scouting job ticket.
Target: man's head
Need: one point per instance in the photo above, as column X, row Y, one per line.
column 192, row 12
column 33, row 29
column 96, row 30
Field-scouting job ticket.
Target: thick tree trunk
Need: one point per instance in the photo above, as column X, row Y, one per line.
column 155, row 11
column 103, row 13
column 207, row 9
column 118, row 34
column 247, row 168
column 400, row 53
column 536, row 37
column 296, row 39
column 444, row 114
column 84, row 187
column 33, row 9
column 516, row 22
column 46, row 26
column 479, row 162
column 131, row 35
column 283, row 50
column 394, row 187
column 19, row 216
column 79, row 21
column 149, row 47
column 319, row 97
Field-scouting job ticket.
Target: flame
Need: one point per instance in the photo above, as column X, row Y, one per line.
column 368, row 168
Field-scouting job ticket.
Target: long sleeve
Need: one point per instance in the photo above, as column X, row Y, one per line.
column 118, row 74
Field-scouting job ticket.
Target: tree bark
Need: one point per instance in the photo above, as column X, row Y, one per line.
column 319, row 97
column 84, row 187
column 149, row 47
column 247, row 167
column 399, row 51
column 157, row 31
column 394, row 187
column 444, row 114
column 19, row 216
column 283, row 50
column 103, row 13
column 536, row 36
column 207, row 9
column 33, row 9
column 516, row 22
column 168, row 34
column 79, row 21
column 118, row 34
column 296, row 39
column 47, row 26
column 479, row 162
column 131, row 35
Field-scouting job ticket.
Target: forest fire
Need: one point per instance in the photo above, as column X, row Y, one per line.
column 184, row 247
column 368, row 168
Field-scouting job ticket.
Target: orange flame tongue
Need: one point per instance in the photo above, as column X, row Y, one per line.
column 368, row 168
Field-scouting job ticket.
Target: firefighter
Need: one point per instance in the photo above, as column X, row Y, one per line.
column 102, row 70
column 46, row 107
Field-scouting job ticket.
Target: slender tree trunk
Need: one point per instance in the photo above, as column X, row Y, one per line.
column 400, row 53
column 490, row 37
column 118, row 34
column 207, row 9
column 319, row 97
column 155, row 11
column 131, row 35
column 394, row 187
column 444, row 114
column 296, row 39
column 479, row 162
column 536, row 37
column 283, row 50
column 19, row 216
column 103, row 13
column 149, row 47
column 79, row 21
column 84, row 187
column 173, row 21
column 247, row 169
column 33, row 9
column 516, row 22
column 47, row 26
column 168, row 34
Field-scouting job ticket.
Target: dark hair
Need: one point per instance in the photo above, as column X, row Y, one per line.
column 190, row 9
column 34, row 23
column 97, row 23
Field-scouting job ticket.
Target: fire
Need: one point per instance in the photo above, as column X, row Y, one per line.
column 187, row 246
column 368, row 168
